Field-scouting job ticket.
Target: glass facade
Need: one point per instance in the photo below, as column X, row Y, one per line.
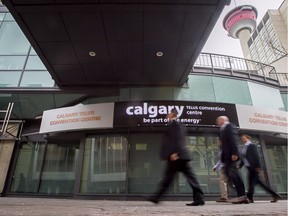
column 45, row 168
column 19, row 64
column 278, row 159
column 260, row 93
column 127, row 164
column 104, row 165
column 265, row 45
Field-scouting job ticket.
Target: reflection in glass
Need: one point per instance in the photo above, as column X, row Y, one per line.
column 278, row 159
column 8, row 17
column 34, row 63
column 145, row 168
column 104, row 165
column 9, row 78
column 46, row 171
column 37, row 79
column 205, row 154
column 26, row 176
column 12, row 62
column 2, row 15
column 12, row 40
column 59, row 169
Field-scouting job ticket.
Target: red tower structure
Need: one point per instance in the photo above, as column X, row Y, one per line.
column 240, row 18
column 240, row 23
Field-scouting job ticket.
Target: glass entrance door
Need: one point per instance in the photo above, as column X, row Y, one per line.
column 45, row 168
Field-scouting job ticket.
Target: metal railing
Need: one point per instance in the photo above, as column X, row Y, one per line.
column 240, row 67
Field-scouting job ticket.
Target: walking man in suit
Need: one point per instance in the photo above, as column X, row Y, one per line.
column 174, row 150
column 230, row 156
column 251, row 160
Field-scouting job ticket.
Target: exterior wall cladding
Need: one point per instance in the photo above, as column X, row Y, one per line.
column 116, row 155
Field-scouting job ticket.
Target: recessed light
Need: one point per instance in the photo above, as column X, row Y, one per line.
column 159, row 54
column 91, row 53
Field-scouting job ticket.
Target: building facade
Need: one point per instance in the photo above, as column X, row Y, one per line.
column 268, row 43
column 61, row 143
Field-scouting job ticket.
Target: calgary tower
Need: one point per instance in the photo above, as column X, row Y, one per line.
column 240, row 23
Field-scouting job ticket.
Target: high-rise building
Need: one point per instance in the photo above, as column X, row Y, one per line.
column 267, row 42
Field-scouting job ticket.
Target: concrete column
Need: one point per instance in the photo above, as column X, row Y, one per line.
column 244, row 36
column 6, row 149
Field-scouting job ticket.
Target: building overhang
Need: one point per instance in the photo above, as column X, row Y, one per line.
column 117, row 43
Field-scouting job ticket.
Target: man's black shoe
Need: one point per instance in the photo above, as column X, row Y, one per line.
column 196, row 203
column 153, row 200
column 276, row 198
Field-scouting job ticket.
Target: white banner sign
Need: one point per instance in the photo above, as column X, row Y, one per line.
column 262, row 119
column 78, row 117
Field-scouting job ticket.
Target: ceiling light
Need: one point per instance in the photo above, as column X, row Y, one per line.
column 159, row 54
column 91, row 53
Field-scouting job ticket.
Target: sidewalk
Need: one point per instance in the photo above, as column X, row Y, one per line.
column 11, row 206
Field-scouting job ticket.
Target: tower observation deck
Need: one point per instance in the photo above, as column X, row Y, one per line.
column 240, row 23
column 240, row 18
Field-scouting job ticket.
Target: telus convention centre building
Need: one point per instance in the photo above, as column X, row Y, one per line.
column 85, row 87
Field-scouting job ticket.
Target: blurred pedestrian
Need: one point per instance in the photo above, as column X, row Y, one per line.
column 251, row 160
column 230, row 156
column 177, row 156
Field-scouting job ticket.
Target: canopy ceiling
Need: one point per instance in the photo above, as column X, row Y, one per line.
column 117, row 43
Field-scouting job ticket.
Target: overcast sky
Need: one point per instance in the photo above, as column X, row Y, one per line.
column 219, row 42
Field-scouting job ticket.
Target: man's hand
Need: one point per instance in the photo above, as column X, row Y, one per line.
column 234, row 157
column 258, row 170
column 174, row 157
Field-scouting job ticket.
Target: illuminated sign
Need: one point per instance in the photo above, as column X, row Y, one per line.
column 78, row 117
column 153, row 113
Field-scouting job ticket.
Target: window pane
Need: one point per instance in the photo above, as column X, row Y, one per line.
column 145, row 168
column 205, row 154
column 278, row 160
column 104, row 165
column 2, row 16
column 231, row 91
column 37, row 79
column 58, row 176
column 8, row 17
column 260, row 93
column 27, row 171
column 32, row 51
column 34, row 63
column 202, row 89
column 12, row 40
column 9, row 78
column 12, row 62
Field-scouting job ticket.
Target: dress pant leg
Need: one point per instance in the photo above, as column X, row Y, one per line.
column 170, row 171
column 265, row 186
column 187, row 170
column 223, row 185
column 252, row 181
column 235, row 178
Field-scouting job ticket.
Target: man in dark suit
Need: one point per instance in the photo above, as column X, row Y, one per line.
column 251, row 160
column 230, row 156
column 174, row 150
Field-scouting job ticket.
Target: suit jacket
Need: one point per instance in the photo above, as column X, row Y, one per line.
column 228, row 137
column 173, row 141
column 252, row 156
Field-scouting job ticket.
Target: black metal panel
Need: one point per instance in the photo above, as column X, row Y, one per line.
column 125, row 37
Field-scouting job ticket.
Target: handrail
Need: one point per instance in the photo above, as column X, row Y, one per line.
column 241, row 65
